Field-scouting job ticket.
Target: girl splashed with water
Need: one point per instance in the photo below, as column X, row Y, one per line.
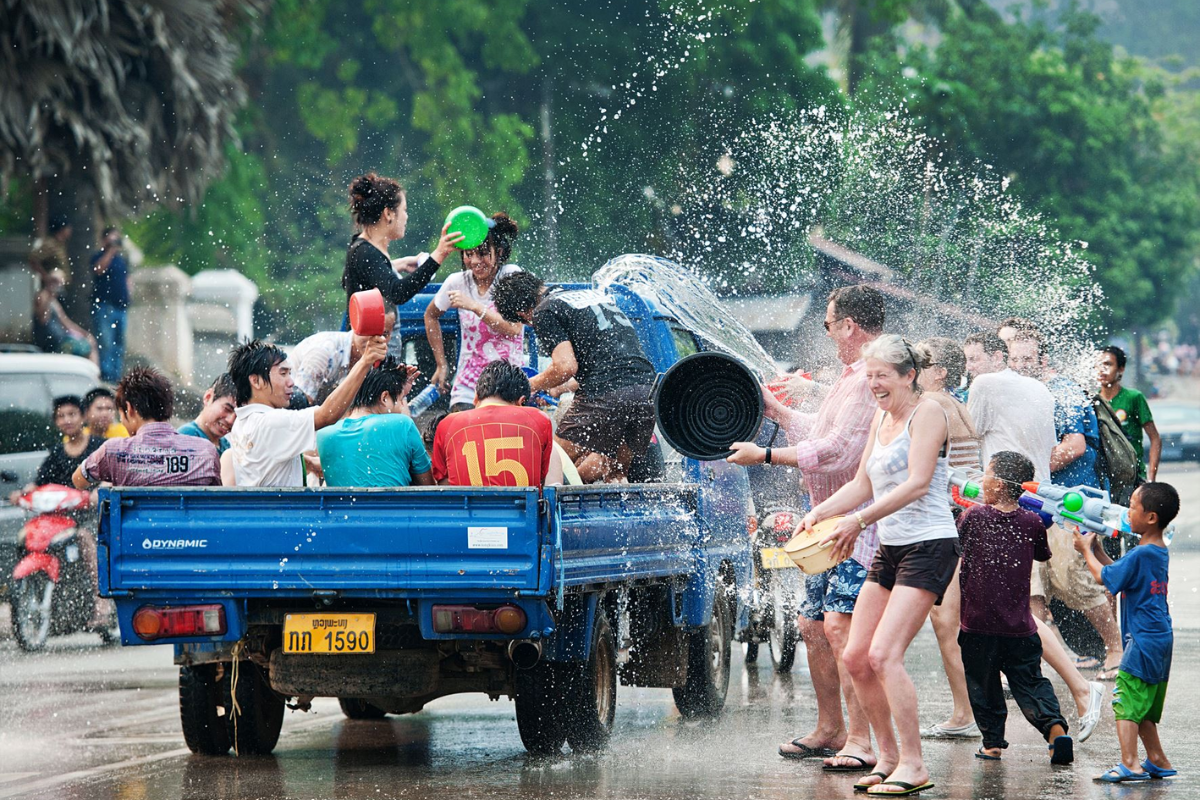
column 484, row 336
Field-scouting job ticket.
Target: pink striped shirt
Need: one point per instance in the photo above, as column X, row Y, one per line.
column 829, row 444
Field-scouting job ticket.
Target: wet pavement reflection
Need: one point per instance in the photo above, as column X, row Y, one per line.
column 90, row 723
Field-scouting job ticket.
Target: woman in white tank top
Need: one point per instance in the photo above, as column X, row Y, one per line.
column 905, row 472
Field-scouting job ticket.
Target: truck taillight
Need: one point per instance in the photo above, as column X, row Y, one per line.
column 150, row 622
column 509, row 620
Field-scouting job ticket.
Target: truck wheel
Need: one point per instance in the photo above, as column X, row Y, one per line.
column 360, row 709
column 783, row 635
column 592, row 702
column 703, row 693
column 540, row 701
column 254, row 731
column 202, row 709
column 33, row 607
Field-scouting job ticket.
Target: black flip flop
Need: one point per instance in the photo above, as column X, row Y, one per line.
column 862, row 787
column 908, row 789
column 807, row 752
column 980, row 754
column 1062, row 751
column 862, row 764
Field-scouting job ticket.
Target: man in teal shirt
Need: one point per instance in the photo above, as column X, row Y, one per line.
column 1132, row 410
column 377, row 444
column 217, row 416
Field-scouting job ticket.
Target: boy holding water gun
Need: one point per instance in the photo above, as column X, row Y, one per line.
column 1146, row 626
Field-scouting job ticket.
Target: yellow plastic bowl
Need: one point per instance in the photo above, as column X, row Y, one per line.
column 806, row 549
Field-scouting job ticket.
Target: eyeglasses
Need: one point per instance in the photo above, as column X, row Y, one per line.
column 827, row 323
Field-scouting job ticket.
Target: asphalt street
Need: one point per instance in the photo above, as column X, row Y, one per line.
column 85, row 721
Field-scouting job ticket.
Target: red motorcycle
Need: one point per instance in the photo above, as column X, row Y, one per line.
column 54, row 589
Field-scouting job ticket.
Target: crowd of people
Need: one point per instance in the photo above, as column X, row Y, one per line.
column 875, row 455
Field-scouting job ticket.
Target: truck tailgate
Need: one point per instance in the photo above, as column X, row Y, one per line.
column 257, row 542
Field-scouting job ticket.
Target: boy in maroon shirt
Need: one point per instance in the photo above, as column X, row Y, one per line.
column 1000, row 542
column 154, row 455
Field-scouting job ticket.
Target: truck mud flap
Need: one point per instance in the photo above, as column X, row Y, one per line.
column 403, row 673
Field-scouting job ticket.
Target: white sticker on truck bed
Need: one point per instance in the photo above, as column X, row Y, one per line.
column 487, row 538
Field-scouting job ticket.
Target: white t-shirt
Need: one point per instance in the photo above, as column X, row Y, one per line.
column 320, row 359
column 1012, row 412
column 267, row 444
column 479, row 345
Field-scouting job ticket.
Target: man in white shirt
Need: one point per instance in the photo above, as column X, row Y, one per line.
column 268, row 440
column 323, row 360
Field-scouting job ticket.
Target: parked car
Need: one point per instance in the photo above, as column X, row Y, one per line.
column 29, row 382
column 1179, row 425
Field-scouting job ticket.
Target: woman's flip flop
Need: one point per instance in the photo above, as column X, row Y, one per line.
column 859, row 767
column 862, row 787
column 805, row 751
column 905, row 789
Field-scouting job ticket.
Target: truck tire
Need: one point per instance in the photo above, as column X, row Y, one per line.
column 254, row 731
column 360, row 709
column 592, row 702
column 33, row 611
column 202, row 710
column 703, row 693
column 783, row 635
column 540, row 703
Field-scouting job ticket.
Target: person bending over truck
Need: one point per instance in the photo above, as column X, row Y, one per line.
column 377, row 444
column 592, row 343
column 501, row 442
column 155, row 454
column 268, row 440
column 217, row 416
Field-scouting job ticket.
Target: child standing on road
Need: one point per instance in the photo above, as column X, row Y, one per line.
column 1146, row 627
column 1000, row 542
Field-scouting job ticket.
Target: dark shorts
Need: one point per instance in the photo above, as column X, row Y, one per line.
column 603, row 423
column 927, row 565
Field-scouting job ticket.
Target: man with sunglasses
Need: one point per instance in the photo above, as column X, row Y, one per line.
column 827, row 448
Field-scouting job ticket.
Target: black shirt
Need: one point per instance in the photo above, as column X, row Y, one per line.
column 368, row 268
column 606, row 347
column 59, row 467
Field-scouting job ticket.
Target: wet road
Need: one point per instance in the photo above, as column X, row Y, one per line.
column 82, row 721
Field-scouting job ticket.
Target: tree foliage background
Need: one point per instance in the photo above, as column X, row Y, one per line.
column 574, row 118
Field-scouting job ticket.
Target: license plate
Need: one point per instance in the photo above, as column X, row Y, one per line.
column 329, row 633
column 72, row 553
column 776, row 558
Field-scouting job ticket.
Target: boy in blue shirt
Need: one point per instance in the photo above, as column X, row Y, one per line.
column 1146, row 626
column 377, row 444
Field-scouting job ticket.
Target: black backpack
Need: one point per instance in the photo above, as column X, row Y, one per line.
column 1118, row 460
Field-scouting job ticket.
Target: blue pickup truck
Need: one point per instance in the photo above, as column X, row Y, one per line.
column 390, row 598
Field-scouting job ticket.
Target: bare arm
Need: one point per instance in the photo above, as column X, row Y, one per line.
column 339, row 400
column 433, row 333
column 1069, row 449
column 563, row 367
column 228, row 477
column 554, row 475
column 423, row 478
column 80, row 480
column 1155, row 449
column 1093, row 554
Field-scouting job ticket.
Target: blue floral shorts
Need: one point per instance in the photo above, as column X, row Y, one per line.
column 835, row 590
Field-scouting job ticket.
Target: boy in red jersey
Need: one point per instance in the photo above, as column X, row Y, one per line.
column 500, row 442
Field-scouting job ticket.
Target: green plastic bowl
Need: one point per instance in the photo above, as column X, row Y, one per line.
column 472, row 223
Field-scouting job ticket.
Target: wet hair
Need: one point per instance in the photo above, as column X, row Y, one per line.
column 67, row 400
column 429, row 429
column 254, row 357
column 389, row 376
column 517, row 294
column 504, row 380
column 149, row 393
column 1013, row 469
column 901, row 354
column 1030, row 335
column 1161, row 499
column 989, row 341
column 500, row 238
column 96, row 394
column 1018, row 324
column 371, row 195
column 947, row 354
column 861, row 303
column 223, row 387
column 1117, row 353
column 57, row 223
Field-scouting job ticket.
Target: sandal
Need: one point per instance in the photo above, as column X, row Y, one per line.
column 862, row 764
column 862, row 787
column 805, row 751
column 905, row 789
column 983, row 755
column 1088, row 662
column 1122, row 774
column 1156, row 772
column 1062, row 751
column 1108, row 673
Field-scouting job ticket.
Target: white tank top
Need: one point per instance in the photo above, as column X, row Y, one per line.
column 927, row 517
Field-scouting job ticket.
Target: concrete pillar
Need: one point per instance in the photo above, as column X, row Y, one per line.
column 222, row 313
column 159, row 326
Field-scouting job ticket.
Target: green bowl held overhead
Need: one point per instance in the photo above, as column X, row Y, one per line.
column 471, row 223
